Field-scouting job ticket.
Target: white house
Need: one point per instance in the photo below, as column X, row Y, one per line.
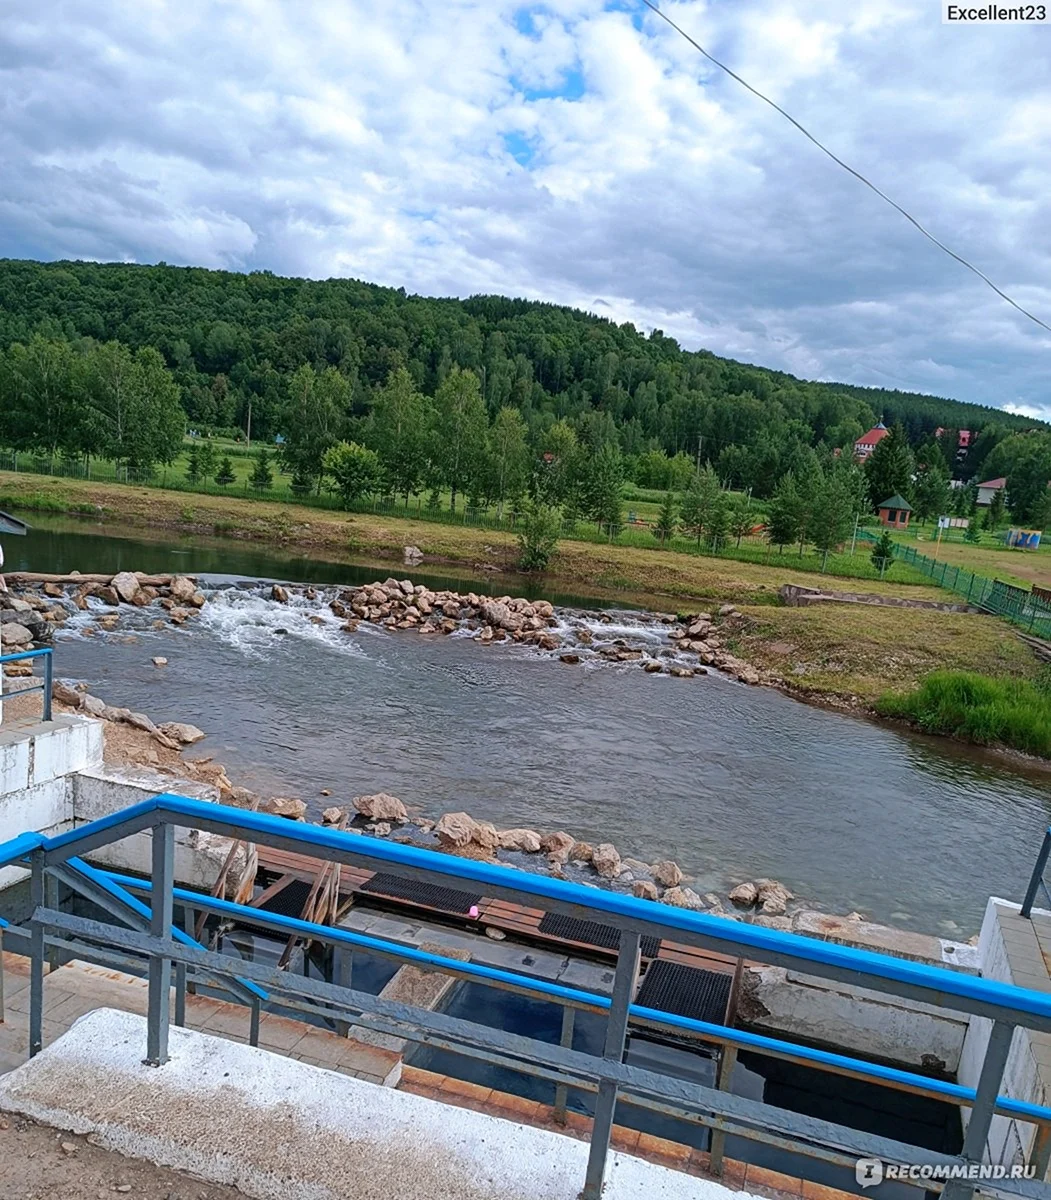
column 987, row 490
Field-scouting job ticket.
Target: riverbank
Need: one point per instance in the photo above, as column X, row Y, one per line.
column 636, row 575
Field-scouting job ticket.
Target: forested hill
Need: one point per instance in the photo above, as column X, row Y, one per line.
column 230, row 339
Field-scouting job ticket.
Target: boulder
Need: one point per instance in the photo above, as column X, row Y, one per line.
column 667, row 873
column 283, row 806
column 18, row 670
column 143, row 722
column 15, row 635
column 406, row 586
column 680, row 897
column 380, row 828
column 606, row 860
column 526, row 840
column 278, row 593
column 332, row 816
column 185, row 735
column 381, row 807
column 197, row 600
column 455, row 829
column 108, row 595
column 643, row 889
column 744, row 895
column 485, row 835
column 182, row 589
column 413, row 555
column 159, row 661
column 727, row 610
column 126, row 585
column 652, row 667
column 571, row 659
column 53, row 590
column 65, row 694
column 559, row 843
column 581, row 852
column 773, row 897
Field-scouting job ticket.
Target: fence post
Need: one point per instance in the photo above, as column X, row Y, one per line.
column 160, row 971
column 989, row 1082
column 49, row 668
column 613, row 1051
column 566, row 1040
column 36, row 957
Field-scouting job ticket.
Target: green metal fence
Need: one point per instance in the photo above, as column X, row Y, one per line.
column 1031, row 612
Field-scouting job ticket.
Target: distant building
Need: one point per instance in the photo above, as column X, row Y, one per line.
column 987, row 490
column 963, row 441
column 864, row 446
column 895, row 512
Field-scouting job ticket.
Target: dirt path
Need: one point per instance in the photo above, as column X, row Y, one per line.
column 41, row 1163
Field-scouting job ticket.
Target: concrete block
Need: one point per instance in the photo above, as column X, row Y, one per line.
column 14, row 765
column 69, row 744
column 279, row 1129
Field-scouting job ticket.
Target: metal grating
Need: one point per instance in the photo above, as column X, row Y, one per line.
column 591, row 933
column 289, row 901
column 413, row 890
column 686, row 991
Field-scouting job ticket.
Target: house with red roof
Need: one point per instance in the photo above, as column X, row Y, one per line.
column 864, row 446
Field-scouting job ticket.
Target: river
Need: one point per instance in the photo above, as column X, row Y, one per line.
column 732, row 782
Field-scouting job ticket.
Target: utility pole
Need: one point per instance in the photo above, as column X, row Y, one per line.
column 249, row 422
column 854, row 539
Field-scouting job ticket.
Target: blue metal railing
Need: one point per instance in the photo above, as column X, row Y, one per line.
column 1036, row 880
column 1008, row 1006
column 45, row 686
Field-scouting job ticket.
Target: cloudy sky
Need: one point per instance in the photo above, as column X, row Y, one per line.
column 574, row 151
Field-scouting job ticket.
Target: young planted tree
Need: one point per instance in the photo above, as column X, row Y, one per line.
column 719, row 521
column 193, row 465
column 883, row 553
column 600, row 487
column 225, row 475
column 994, row 514
column 700, row 499
column 972, row 534
column 667, row 522
column 354, row 470
column 262, row 477
column 538, row 535
column 741, row 517
column 784, row 514
column 831, row 515
column 207, row 460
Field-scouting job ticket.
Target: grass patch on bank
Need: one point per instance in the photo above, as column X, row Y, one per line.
column 978, row 708
column 864, row 651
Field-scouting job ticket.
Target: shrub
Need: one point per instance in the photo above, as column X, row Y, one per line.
column 538, row 536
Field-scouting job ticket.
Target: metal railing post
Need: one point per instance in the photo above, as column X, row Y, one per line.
column 160, row 972
column 253, row 1027
column 180, row 995
column 727, row 1062
column 36, row 958
column 49, row 669
column 1038, row 873
column 566, row 1040
column 992, row 1074
column 3, row 1014
column 51, row 901
column 613, row 1051
column 1040, row 1152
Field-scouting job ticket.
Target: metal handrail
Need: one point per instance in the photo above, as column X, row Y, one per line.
column 1008, row 1006
column 1036, row 880
column 47, row 655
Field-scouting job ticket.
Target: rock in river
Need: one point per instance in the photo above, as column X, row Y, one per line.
column 381, row 807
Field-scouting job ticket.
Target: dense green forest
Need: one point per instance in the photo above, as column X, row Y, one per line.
column 370, row 387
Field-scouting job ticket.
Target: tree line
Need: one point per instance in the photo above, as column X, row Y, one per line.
column 237, row 348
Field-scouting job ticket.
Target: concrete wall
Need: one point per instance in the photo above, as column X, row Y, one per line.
column 869, row 1024
column 37, row 765
column 199, row 856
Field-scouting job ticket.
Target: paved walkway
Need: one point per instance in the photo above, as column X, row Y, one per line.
column 78, row 988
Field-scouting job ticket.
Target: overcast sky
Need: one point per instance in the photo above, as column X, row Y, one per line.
column 567, row 151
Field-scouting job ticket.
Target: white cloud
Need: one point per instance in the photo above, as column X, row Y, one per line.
column 345, row 138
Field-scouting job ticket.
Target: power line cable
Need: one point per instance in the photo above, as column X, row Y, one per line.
column 846, row 166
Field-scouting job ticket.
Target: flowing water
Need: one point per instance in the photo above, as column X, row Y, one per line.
column 733, row 782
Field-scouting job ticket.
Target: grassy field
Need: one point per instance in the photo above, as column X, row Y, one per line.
column 988, row 557
column 865, row 651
